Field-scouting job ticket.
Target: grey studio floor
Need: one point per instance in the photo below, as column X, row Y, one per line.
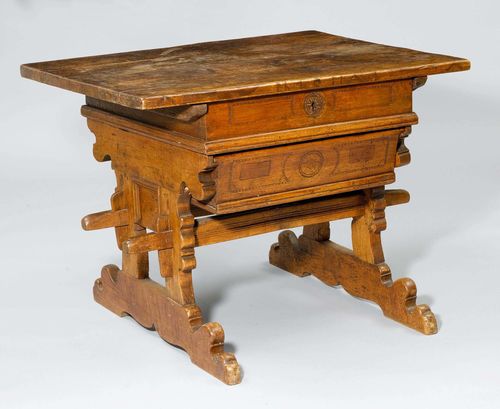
column 299, row 342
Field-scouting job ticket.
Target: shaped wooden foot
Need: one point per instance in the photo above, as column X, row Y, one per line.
column 149, row 304
column 170, row 309
column 362, row 272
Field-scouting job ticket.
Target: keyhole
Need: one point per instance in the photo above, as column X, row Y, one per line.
column 314, row 104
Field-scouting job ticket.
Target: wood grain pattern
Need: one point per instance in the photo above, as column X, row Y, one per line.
column 218, row 141
column 195, row 139
column 103, row 220
column 243, row 180
column 129, row 151
column 362, row 273
column 313, row 164
column 232, row 119
column 234, row 69
column 219, row 228
column 177, row 324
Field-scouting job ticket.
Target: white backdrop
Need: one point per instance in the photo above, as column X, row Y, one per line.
column 299, row 342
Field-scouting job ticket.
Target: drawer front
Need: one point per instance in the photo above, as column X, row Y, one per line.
column 305, row 165
column 305, row 109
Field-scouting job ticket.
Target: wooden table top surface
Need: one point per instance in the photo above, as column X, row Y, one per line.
column 234, row 69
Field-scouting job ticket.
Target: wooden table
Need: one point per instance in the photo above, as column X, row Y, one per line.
column 217, row 141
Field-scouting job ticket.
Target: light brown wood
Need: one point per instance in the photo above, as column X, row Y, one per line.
column 308, row 165
column 177, row 324
column 233, row 69
column 166, row 162
column 362, row 272
column 148, row 242
column 232, row 119
column 219, row 228
column 196, row 139
column 103, row 220
column 225, row 140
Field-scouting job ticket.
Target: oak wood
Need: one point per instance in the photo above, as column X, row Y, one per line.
column 233, row 69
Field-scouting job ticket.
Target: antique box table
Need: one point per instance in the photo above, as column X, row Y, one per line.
column 223, row 140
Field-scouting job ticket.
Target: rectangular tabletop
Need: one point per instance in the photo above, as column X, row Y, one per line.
column 234, row 69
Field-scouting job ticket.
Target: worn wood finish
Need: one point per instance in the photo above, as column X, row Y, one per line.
column 362, row 272
column 182, row 325
column 335, row 265
column 252, row 179
column 215, row 229
column 232, row 119
column 103, row 220
column 267, row 120
column 233, row 69
column 225, row 140
column 120, row 118
column 317, row 164
column 219, row 228
column 166, row 162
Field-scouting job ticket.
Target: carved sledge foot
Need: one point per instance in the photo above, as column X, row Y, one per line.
column 148, row 303
column 336, row 265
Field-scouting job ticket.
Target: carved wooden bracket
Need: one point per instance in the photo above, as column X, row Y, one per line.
column 168, row 166
column 418, row 82
column 403, row 156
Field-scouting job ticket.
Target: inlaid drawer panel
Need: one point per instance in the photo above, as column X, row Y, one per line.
column 305, row 109
column 305, row 165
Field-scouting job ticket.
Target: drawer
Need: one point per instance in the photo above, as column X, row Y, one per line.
column 254, row 123
column 308, row 109
column 299, row 171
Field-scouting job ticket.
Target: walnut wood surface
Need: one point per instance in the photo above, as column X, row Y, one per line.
column 220, row 228
column 181, row 325
column 232, row 119
column 247, row 180
column 218, row 141
column 193, row 138
column 362, row 272
column 234, row 69
column 326, row 163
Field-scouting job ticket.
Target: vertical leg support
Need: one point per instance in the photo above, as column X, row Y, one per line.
column 362, row 272
column 170, row 309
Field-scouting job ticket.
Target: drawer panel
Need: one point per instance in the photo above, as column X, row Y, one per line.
column 305, row 165
column 306, row 109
